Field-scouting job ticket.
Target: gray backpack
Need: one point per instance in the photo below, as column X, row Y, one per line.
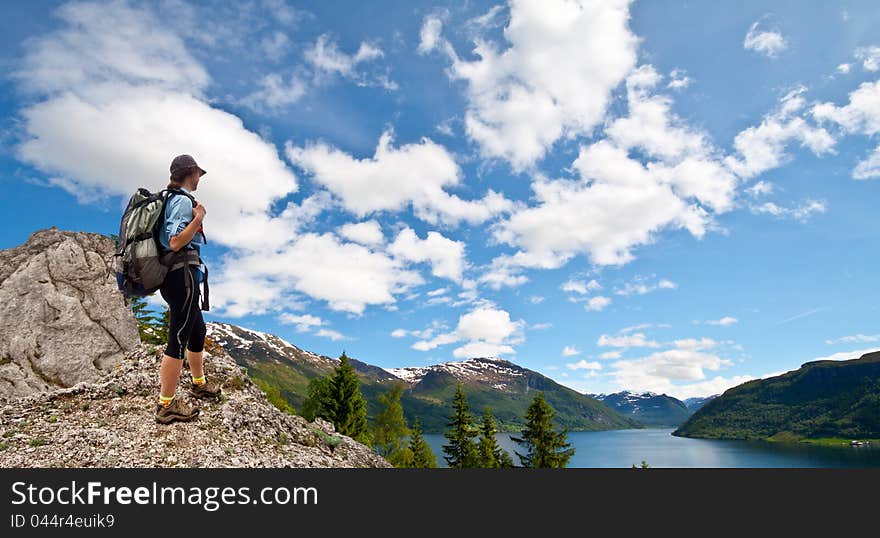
column 141, row 261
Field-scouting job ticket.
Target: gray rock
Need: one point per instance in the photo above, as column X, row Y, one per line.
column 62, row 319
column 97, row 425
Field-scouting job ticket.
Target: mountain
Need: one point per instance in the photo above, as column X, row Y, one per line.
column 820, row 399
column 647, row 407
column 505, row 387
column 697, row 402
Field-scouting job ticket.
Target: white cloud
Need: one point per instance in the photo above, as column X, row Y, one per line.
column 762, row 148
column 486, row 323
column 637, row 327
column 843, row 68
column 101, row 90
column 854, row 339
column 597, row 303
column 581, row 287
column 519, row 99
column 536, row 299
column 845, row 355
column 761, row 188
column 367, row 233
column 584, row 365
column 488, row 19
column 275, row 93
column 330, row 333
column 488, row 331
column 626, row 341
column 83, row 56
column 275, row 45
column 413, row 174
column 800, row 213
column 860, row 116
column 482, row 349
column 282, row 12
column 445, row 127
column 767, row 42
column 724, row 321
column 678, row 80
column 304, row 323
column 347, row 276
column 307, row 323
column 325, row 56
column 709, row 387
column 610, row 355
column 640, row 285
column 870, row 57
column 570, row 351
column 631, row 202
column 664, row 372
column 540, row 326
column 446, row 256
column 429, row 35
column 869, row 167
column 695, row 344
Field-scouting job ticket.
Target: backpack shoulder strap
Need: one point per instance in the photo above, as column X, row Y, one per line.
column 171, row 192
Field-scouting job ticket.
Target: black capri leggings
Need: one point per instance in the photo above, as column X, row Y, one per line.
column 186, row 328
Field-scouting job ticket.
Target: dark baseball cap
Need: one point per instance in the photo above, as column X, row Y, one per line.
column 185, row 162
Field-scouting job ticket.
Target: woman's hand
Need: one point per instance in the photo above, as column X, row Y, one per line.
column 199, row 212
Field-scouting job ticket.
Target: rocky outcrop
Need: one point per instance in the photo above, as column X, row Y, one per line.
column 62, row 318
column 111, row 424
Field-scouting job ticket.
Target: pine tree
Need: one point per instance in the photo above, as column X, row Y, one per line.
column 422, row 457
column 461, row 451
column 347, row 407
column 544, row 446
column 160, row 328
column 488, row 447
column 505, row 460
column 152, row 329
column 491, row 456
column 317, row 402
column 390, row 429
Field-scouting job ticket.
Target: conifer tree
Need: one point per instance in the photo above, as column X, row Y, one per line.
column 152, row 328
column 347, row 407
column 545, row 447
column 461, row 451
column 422, row 457
column 317, row 402
column 390, row 429
column 491, row 456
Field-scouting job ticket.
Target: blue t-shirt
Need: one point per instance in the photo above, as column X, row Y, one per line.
column 178, row 214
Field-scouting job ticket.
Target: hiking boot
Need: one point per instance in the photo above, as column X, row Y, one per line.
column 208, row 389
column 176, row 410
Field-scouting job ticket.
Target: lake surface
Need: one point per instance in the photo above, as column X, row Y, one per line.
column 623, row 448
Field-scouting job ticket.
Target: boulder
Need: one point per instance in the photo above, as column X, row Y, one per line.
column 62, row 319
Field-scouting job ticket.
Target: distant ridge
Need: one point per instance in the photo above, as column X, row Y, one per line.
column 504, row 386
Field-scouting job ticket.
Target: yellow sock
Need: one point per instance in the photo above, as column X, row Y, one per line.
column 199, row 380
column 165, row 400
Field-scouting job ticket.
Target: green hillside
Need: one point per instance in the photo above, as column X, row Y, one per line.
column 821, row 399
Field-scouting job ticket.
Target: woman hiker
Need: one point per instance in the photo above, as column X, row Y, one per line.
column 182, row 234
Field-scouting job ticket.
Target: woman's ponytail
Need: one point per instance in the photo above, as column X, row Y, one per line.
column 177, row 178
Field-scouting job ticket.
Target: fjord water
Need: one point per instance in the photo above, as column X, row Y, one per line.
column 623, row 448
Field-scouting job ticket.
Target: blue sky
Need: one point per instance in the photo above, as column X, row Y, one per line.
column 674, row 196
